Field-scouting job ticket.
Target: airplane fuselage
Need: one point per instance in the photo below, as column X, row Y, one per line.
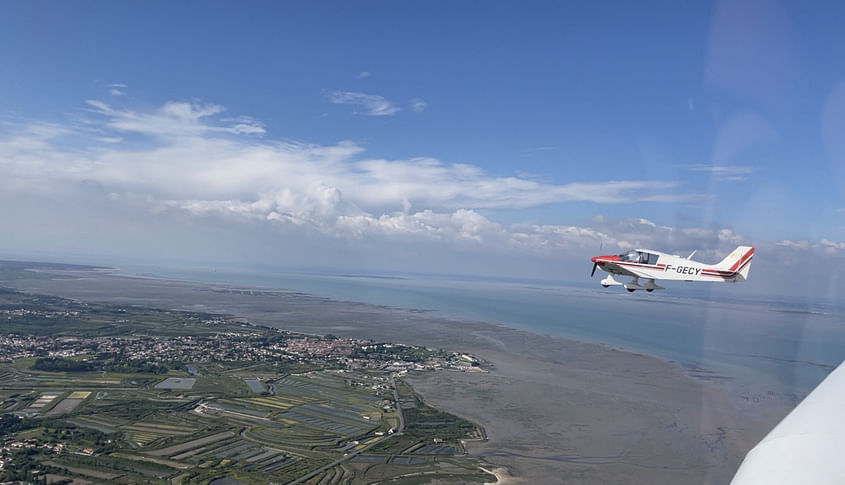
column 654, row 265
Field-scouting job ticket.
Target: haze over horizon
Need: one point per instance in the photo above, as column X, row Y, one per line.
column 479, row 138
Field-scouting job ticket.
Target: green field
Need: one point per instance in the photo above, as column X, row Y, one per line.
column 115, row 425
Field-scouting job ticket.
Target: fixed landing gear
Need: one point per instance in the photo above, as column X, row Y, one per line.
column 633, row 286
column 609, row 281
column 649, row 285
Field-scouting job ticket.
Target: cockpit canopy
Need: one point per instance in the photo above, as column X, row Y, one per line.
column 641, row 257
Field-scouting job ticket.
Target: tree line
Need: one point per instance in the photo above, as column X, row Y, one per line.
column 61, row 364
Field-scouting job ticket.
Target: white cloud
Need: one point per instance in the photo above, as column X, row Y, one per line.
column 733, row 173
column 418, row 105
column 824, row 246
column 832, row 247
column 802, row 244
column 117, row 89
column 372, row 104
column 245, row 125
column 191, row 161
column 363, row 74
column 711, row 244
column 109, row 139
column 469, row 229
column 174, row 119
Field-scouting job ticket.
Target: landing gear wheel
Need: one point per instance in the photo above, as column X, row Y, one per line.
column 606, row 286
column 649, row 290
column 630, row 290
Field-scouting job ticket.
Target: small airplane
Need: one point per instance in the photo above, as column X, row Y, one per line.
column 654, row 265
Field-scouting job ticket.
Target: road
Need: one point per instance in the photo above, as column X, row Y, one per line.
column 398, row 407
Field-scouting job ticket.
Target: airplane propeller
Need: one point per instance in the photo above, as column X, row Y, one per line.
column 595, row 264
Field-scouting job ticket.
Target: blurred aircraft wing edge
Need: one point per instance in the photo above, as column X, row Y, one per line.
column 807, row 445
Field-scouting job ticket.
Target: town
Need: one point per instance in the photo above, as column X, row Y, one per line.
column 137, row 395
column 228, row 346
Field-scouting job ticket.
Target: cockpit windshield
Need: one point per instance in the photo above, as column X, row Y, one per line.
column 641, row 257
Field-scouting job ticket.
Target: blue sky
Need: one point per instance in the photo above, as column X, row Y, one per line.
column 387, row 133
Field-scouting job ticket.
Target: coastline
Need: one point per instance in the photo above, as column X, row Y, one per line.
column 552, row 407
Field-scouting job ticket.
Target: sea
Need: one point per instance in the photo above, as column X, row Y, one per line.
column 785, row 344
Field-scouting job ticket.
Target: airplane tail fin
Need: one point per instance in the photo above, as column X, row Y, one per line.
column 738, row 262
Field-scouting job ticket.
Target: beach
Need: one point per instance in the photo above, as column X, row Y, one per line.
column 555, row 410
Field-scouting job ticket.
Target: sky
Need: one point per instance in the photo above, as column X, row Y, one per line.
column 489, row 138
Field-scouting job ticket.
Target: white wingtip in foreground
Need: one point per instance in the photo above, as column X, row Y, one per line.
column 653, row 265
column 806, row 446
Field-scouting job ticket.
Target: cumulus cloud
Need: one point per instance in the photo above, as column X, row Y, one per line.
column 802, row 244
column 187, row 155
column 832, row 247
column 372, row 104
column 711, row 244
column 468, row 228
column 184, row 157
column 814, row 250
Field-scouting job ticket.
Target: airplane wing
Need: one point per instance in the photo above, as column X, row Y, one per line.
column 628, row 270
column 806, row 446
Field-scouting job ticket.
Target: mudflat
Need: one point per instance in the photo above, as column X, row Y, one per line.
column 555, row 410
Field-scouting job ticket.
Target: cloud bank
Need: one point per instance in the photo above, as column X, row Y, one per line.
column 190, row 170
column 188, row 156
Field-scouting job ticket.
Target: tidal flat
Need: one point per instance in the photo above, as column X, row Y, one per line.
column 555, row 410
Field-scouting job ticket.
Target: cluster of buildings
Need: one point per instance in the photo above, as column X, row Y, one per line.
column 14, row 445
column 319, row 346
column 23, row 346
column 23, row 312
column 229, row 347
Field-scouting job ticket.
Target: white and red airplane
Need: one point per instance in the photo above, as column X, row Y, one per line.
column 654, row 265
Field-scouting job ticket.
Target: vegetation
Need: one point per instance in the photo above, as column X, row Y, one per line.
column 389, row 352
column 76, row 412
column 102, row 363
